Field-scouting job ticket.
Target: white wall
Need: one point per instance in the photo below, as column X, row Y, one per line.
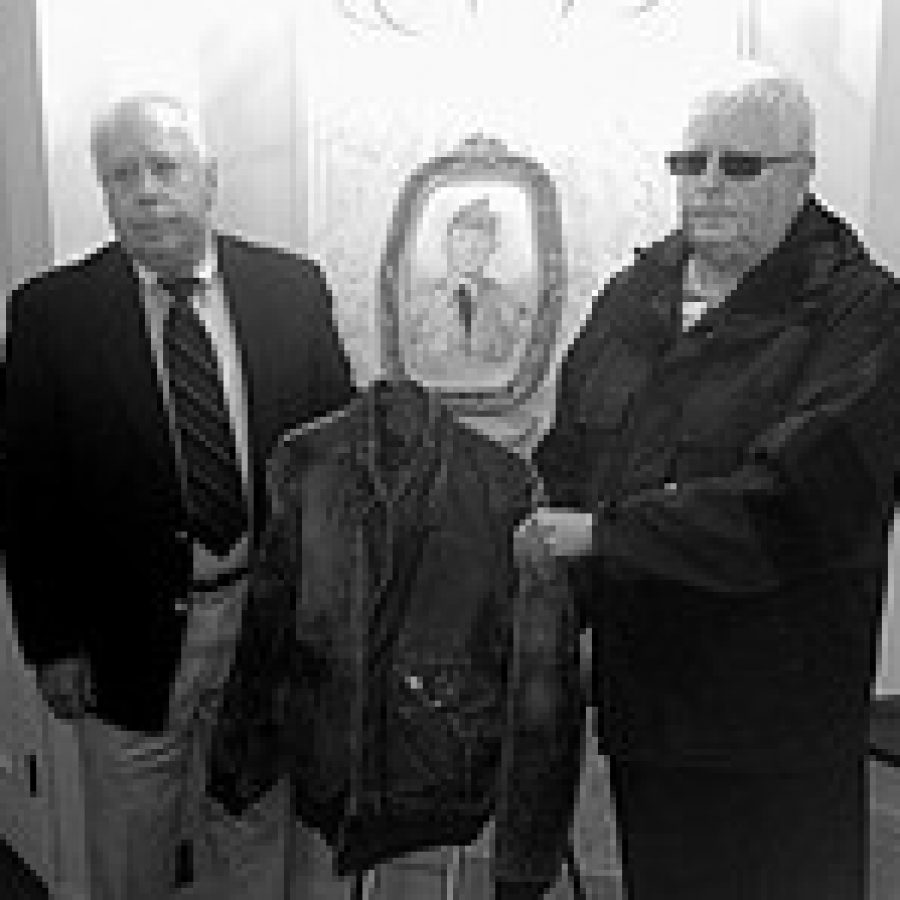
column 25, row 244
column 832, row 45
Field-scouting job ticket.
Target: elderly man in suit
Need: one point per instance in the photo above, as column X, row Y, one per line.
column 147, row 384
column 723, row 463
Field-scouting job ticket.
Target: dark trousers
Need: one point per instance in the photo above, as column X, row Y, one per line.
column 693, row 833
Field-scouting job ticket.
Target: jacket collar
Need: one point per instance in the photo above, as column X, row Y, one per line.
column 791, row 280
column 797, row 271
column 397, row 431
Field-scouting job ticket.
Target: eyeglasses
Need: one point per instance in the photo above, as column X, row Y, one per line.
column 130, row 173
column 734, row 164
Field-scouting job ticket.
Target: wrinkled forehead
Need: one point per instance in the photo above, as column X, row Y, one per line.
column 754, row 118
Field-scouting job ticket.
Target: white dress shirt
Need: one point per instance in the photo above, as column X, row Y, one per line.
column 211, row 308
column 698, row 297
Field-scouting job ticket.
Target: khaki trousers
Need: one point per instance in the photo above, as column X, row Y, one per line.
column 144, row 793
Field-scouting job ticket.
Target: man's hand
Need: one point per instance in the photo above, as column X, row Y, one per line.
column 554, row 533
column 68, row 687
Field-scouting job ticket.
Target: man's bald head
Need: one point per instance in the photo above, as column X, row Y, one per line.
column 159, row 180
column 143, row 112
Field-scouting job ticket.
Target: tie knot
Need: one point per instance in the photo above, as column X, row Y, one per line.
column 182, row 288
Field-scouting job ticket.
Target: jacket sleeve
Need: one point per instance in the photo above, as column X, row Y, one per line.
column 815, row 490
column 562, row 455
column 541, row 757
column 542, row 752
column 42, row 604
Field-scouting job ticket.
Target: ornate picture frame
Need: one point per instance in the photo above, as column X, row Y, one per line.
column 473, row 278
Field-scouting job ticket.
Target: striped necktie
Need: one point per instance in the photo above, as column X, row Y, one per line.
column 214, row 489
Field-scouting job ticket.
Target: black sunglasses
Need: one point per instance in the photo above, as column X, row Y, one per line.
column 734, row 164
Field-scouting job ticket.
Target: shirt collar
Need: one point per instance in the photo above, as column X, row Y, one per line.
column 472, row 282
column 425, row 425
column 205, row 271
column 697, row 289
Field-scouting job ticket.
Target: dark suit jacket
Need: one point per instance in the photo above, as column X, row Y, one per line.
column 742, row 475
column 97, row 552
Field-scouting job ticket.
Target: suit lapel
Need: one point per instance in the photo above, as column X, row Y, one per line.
column 246, row 305
column 127, row 357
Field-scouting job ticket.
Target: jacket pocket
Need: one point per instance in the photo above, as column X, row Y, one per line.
column 446, row 730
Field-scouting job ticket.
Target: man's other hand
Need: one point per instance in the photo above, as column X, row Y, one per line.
column 556, row 533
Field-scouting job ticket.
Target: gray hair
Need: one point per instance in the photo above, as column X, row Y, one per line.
column 780, row 99
column 161, row 108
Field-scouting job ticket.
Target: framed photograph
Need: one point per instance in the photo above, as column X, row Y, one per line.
column 473, row 277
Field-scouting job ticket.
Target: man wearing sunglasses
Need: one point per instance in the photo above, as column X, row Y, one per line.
column 721, row 468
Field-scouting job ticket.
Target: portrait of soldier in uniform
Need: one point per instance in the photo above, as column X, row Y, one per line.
column 466, row 320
